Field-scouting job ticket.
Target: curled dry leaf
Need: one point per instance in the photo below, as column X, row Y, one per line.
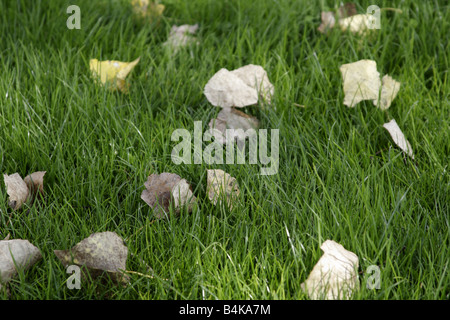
column 398, row 137
column 100, row 253
column 220, row 184
column 35, row 182
column 164, row 189
column 147, row 9
column 357, row 24
column 256, row 77
column 15, row 254
column 389, row 90
column 328, row 21
column 335, row 274
column 112, row 72
column 22, row 191
column 361, row 81
column 226, row 90
column 17, row 190
column 238, row 88
column 181, row 36
column 230, row 118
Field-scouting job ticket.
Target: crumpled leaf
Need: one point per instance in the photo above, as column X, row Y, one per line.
column 220, row 184
column 147, row 10
column 164, row 189
column 100, row 253
column 112, row 72
column 329, row 18
column 335, row 274
column 22, row 191
column 181, row 36
column 361, row 81
column 398, row 137
column 226, row 90
column 230, row 118
column 15, row 254
column 239, row 88
column 256, row 77
column 17, row 190
column 328, row 21
column 389, row 90
column 35, row 182
column 357, row 24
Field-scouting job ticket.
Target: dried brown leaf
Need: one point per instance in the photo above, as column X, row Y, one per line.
column 164, row 189
column 230, row 118
column 17, row 190
column 101, row 253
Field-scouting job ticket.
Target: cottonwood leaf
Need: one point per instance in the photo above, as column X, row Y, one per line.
column 328, row 21
column 181, row 36
column 35, row 182
column 329, row 18
column 161, row 190
column 225, row 89
column 335, row 274
column 220, row 185
column 389, row 90
column 112, row 72
column 146, row 9
column 256, row 77
column 357, row 24
column 398, row 137
column 17, row 190
column 22, row 191
column 361, row 81
column 101, row 253
column 242, row 124
column 16, row 254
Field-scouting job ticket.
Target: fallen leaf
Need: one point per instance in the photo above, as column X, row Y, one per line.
column 22, row 191
column 328, row 21
column 361, row 81
column 239, row 88
column 112, row 72
column 35, row 182
column 225, row 89
column 256, row 77
column 17, row 190
column 389, row 90
column 164, row 189
column 147, row 10
column 357, row 24
column 329, row 18
column 220, row 184
column 398, row 137
column 335, row 274
column 230, row 118
column 181, row 36
column 16, row 254
column 100, row 253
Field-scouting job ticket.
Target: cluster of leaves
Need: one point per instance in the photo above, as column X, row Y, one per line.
column 333, row 277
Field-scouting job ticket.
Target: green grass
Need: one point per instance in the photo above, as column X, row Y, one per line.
column 340, row 175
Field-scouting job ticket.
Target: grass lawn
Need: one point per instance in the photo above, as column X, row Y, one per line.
column 341, row 177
